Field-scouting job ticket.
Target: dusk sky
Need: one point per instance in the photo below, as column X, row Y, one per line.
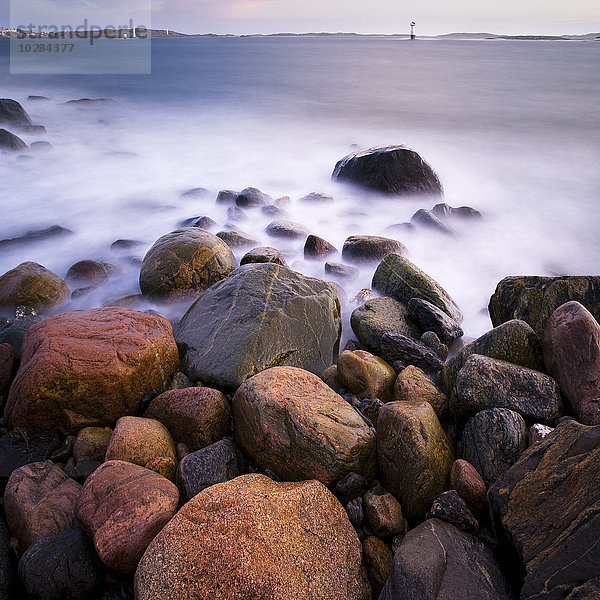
column 363, row 16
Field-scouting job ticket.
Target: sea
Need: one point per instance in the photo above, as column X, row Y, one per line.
column 512, row 129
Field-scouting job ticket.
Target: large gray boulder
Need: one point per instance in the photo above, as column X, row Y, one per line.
column 261, row 316
column 437, row 561
column 389, row 169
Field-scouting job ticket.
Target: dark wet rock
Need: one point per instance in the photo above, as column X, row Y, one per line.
column 64, row 452
column 286, row 230
column 399, row 278
column 82, row 470
column 384, row 513
column 37, row 98
column 369, row 409
column 547, row 505
column 183, row 263
column 414, row 455
column 401, row 351
column 9, row 141
column 431, row 340
column 469, row 485
column 351, row 486
column 263, row 254
column 369, row 248
column 235, row 238
column 430, row 318
column 87, row 271
column 202, row 222
column 23, row 446
column 62, row 566
column 38, row 235
column 250, row 197
column 208, row 466
column 316, row 198
column 125, row 244
column 355, row 512
column 378, row 560
column 534, row 299
column 365, row 375
column 340, row 271
column 226, row 197
column 485, row 382
column 8, row 366
column 412, row 385
column 14, row 332
column 428, row 220
column 493, row 440
column 12, row 113
column 289, row 421
column 198, row 192
column 316, row 248
column 8, row 571
column 513, row 341
column 572, row 354
column 235, row 213
column 389, row 169
column 91, row 101
column 41, row 146
column 262, row 315
column 443, row 210
column 437, row 561
column 451, row 508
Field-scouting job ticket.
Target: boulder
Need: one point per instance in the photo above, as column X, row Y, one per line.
column 350, row 487
column 63, row 566
column 214, row 464
column 91, row 444
column 89, row 368
column 138, row 440
column 451, row 508
column 444, row 210
column 414, row 455
column 255, row 538
column 340, row 271
column 572, row 355
column 87, row 272
column 514, row 342
column 30, row 284
column 412, row 385
column 534, row 299
column 12, row 113
column 163, row 465
column 250, row 197
column 437, row 561
column 10, row 141
column 286, row 230
column 36, row 235
column 428, row 220
column 122, row 507
column 485, row 382
column 235, row 238
column 378, row 560
column 365, row 375
column 493, row 440
column 397, row 277
column 289, row 421
column 39, row 500
column 184, row 263
column 261, row 316
column 316, row 248
column 369, row 248
column 389, row 169
column 13, row 332
column 263, row 254
column 316, row 198
column 8, row 362
column 196, row 416
column 547, row 504
column 468, row 483
column 226, row 197
column 430, row 318
column 384, row 513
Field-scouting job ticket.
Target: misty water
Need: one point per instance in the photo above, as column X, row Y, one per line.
column 511, row 127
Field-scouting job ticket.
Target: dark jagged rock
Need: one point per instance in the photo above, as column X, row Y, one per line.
column 204, row 223
column 350, row 487
column 340, row 271
column 369, row 248
column 316, row 248
column 399, row 278
column 513, row 341
column 235, row 238
column 493, row 440
column 451, row 508
column 355, row 512
column 547, row 504
column 14, row 332
column 226, row 197
column 286, row 230
column 12, row 113
column 428, row 220
column 488, row 383
column 389, row 169
column 431, row 340
column 263, row 254
column 208, row 466
column 39, row 235
column 401, row 351
column 534, row 299
column 437, row 561
column 9, row 141
column 572, row 354
column 250, row 197
column 430, row 318
column 262, row 315
column 62, row 566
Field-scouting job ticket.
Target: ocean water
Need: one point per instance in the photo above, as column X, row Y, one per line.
column 511, row 127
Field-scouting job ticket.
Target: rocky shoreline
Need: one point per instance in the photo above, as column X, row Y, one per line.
column 237, row 453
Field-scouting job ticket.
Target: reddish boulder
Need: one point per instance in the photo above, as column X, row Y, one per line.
column 196, row 416
column 572, row 356
column 291, row 422
column 122, row 508
column 366, row 375
column 413, row 385
column 466, row 480
column 379, row 561
column 254, row 538
column 90, row 368
column 8, row 359
column 384, row 513
column 39, row 500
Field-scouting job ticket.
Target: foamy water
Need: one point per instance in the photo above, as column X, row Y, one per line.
column 512, row 129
